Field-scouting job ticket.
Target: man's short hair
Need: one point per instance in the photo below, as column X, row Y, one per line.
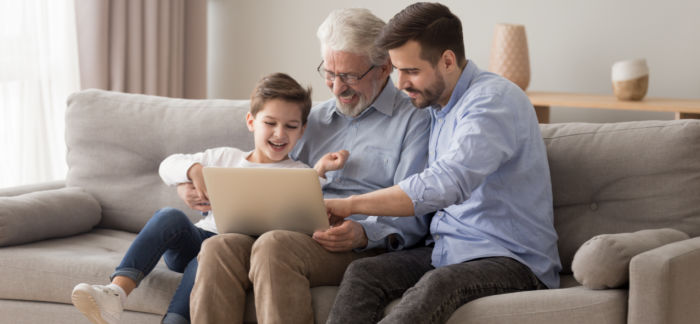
column 432, row 25
column 352, row 30
column 280, row 86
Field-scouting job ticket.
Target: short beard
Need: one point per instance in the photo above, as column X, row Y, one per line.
column 362, row 102
column 431, row 95
column 352, row 110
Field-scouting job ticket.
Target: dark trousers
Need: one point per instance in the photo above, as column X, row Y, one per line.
column 430, row 295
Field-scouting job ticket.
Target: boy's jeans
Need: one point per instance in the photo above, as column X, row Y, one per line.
column 169, row 233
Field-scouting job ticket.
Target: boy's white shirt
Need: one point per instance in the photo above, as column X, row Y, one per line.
column 173, row 170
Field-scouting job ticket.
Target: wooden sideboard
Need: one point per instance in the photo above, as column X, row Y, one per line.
column 684, row 108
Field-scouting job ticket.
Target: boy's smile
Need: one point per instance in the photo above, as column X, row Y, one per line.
column 276, row 129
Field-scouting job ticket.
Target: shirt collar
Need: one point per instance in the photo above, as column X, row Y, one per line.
column 384, row 103
column 465, row 80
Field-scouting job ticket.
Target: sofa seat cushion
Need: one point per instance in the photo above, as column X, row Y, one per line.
column 570, row 304
column 47, row 214
column 48, row 270
column 565, row 305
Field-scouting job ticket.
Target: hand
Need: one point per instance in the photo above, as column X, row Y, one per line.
column 331, row 161
column 341, row 237
column 189, row 194
column 338, row 208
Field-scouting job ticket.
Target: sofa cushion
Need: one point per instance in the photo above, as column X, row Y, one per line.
column 116, row 142
column 47, row 271
column 576, row 305
column 46, row 214
column 603, row 261
column 622, row 177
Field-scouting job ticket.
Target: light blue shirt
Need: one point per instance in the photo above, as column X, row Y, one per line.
column 388, row 142
column 488, row 178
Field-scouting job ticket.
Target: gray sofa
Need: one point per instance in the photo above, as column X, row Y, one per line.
column 607, row 178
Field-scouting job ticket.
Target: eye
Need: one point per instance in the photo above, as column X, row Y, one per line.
column 292, row 126
column 269, row 123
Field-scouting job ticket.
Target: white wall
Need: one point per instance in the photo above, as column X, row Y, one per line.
column 572, row 44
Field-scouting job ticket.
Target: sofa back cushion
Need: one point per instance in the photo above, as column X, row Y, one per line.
column 622, row 177
column 116, row 142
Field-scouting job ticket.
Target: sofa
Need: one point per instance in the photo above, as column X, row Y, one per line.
column 610, row 182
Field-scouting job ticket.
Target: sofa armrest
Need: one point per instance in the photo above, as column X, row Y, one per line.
column 20, row 190
column 46, row 214
column 664, row 287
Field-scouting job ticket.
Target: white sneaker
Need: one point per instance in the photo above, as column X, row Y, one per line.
column 100, row 304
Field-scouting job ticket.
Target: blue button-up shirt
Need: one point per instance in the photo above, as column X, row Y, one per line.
column 488, row 178
column 388, row 142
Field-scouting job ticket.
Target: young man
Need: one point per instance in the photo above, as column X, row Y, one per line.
column 387, row 140
column 487, row 180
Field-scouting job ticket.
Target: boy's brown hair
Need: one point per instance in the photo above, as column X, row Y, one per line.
column 280, row 86
column 432, row 25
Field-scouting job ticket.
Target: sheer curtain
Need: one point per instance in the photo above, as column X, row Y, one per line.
column 38, row 70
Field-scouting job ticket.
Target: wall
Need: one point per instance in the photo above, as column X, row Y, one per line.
column 572, row 44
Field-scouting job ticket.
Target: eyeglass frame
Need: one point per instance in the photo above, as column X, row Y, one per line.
column 343, row 76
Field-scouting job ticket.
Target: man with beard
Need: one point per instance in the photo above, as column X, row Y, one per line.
column 387, row 140
column 487, row 180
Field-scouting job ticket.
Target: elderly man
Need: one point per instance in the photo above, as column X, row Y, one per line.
column 387, row 140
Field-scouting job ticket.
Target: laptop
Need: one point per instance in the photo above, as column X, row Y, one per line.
column 253, row 201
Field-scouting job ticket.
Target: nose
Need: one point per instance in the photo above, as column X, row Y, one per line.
column 279, row 131
column 338, row 86
column 402, row 80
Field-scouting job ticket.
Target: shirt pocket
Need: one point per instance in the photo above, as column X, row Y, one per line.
column 376, row 166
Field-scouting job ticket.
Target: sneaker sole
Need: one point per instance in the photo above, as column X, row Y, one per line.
column 88, row 306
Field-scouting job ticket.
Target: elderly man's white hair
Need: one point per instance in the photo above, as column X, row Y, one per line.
column 352, row 30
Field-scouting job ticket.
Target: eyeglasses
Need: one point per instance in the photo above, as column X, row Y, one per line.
column 347, row 78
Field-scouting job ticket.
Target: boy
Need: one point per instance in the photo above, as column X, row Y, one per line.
column 277, row 118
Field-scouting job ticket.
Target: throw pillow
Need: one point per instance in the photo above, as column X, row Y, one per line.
column 603, row 261
column 47, row 214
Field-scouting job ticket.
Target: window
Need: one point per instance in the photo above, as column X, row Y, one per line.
column 38, row 70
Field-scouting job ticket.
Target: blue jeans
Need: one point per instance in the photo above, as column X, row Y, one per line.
column 170, row 234
column 428, row 295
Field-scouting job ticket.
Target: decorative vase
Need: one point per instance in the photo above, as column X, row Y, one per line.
column 509, row 54
column 630, row 79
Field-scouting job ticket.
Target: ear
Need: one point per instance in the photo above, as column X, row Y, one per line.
column 386, row 68
column 448, row 60
column 249, row 119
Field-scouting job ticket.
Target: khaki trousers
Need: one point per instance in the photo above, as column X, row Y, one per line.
column 281, row 266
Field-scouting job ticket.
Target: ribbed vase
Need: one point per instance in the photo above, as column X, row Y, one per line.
column 509, row 54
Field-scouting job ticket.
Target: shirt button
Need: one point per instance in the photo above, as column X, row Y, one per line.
column 437, row 237
column 594, row 206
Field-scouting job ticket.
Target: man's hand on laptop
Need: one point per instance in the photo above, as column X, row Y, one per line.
column 188, row 193
column 343, row 236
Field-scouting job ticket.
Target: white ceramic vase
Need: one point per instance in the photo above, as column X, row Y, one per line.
column 630, row 79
